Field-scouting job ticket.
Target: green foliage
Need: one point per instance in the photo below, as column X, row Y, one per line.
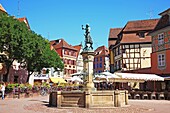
column 44, row 84
column 11, row 86
column 28, row 86
column 25, row 46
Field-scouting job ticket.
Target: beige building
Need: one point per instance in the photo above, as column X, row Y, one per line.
column 79, row 61
column 133, row 46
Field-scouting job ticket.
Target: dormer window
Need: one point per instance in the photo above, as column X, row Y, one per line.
column 141, row 34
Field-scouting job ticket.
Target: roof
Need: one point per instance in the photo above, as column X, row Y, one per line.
column 78, row 47
column 61, row 43
column 140, row 25
column 102, row 50
column 24, row 19
column 165, row 12
column 114, row 32
column 164, row 21
column 2, row 9
column 130, row 33
column 133, row 38
column 113, row 35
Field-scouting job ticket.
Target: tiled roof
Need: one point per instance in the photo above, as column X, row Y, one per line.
column 100, row 51
column 133, row 38
column 61, row 43
column 2, row 9
column 132, row 28
column 24, row 19
column 113, row 36
column 165, row 12
column 140, row 25
column 164, row 21
column 114, row 32
column 78, row 47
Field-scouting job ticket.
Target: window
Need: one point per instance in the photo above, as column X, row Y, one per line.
column 69, row 53
column 69, row 62
column 161, row 60
column 141, row 34
column 100, row 65
column 74, row 54
column 100, row 58
column 160, row 39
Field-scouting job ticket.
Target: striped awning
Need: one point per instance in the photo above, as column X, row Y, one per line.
column 137, row 76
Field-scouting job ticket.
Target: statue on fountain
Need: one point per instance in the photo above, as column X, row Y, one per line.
column 88, row 39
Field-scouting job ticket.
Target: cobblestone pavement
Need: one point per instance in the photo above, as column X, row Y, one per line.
column 39, row 104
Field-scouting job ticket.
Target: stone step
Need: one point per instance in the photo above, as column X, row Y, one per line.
column 69, row 102
column 71, row 105
column 71, row 99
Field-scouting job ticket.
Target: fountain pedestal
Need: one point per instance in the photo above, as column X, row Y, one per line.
column 88, row 58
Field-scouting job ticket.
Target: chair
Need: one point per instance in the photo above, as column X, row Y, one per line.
column 161, row 96
column 153, row 95
column 137, row 96
column 145, row 96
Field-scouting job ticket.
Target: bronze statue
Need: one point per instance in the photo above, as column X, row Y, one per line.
column 88, row 39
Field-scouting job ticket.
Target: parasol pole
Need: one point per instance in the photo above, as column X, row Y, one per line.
column 154, row 85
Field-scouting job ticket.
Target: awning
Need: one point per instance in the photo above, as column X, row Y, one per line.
column 105, row 77
column 136, row 76
column 166, row 77
column 76, row 79
column 78, row 74
column 57, row 80
column 109, row 75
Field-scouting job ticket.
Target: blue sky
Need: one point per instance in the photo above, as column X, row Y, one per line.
column 55, row 19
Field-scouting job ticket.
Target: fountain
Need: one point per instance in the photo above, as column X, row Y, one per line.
column 89, row 97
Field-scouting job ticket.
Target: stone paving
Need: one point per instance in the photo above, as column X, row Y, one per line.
column 39, row 104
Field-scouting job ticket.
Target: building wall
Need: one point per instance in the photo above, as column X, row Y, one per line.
column 59, row 51
column 161, row 49
column 79, row 62
column 132, row 56
column 69, row 59
column 101, row 60
column 99, row 64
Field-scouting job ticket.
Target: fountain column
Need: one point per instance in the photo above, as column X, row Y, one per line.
column 88, row 58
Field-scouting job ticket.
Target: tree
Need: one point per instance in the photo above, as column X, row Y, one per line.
column 19, row 43
column 14, row 36
column 43, row 57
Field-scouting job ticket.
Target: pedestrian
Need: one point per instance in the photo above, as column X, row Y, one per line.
column 3, row 90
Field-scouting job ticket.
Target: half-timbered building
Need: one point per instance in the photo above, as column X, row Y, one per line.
column 133, row 46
